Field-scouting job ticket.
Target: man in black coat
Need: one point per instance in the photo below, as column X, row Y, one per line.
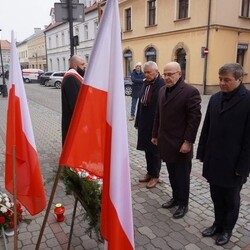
column 144, row 122
column 176, row 124
column 72, row 81
column 224, row 149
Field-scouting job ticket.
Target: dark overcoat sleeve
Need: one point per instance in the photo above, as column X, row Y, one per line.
column 204, row 136
column 193, row 115
column 243, row 165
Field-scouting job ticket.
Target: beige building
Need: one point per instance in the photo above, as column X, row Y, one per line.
column 32, row 51
column 201, row 35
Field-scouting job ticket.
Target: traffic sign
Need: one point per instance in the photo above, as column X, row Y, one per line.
column 61, row 12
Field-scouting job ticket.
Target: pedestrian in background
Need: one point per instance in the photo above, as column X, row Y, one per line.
column 72, row 81
column 137, row 77
column 224, row 149
column 144, row 122
column 176, row 124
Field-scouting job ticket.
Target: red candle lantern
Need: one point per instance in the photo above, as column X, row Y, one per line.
column 59, row 212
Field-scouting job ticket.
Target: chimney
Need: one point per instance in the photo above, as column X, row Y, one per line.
column 37, row 30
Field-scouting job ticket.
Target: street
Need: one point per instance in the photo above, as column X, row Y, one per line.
column 155, row 228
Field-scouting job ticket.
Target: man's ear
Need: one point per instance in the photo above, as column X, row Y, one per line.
column 241, row 79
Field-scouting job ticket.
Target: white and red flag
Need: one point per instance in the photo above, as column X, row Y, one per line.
column 19, row 136
column 97, row 139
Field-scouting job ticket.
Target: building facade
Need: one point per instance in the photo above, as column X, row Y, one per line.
column 200, row 35
column 32, row 51
column 5, row 50
column 57, row 38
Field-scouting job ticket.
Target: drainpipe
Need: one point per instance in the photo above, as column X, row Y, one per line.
column 46, row 53
column 207, row 44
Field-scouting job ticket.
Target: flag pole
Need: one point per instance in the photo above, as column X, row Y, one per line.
column 48, row 207
column 14, row 196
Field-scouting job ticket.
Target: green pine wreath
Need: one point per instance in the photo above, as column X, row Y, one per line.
column 88, row 192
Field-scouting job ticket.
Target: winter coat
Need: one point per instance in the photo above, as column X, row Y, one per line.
column 145, row 118
column 137, row 83
column 224, row 145
column 177, row 119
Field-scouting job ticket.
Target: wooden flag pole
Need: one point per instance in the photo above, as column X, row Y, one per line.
column 48, row 207
column 14, row 196
column 72, row 223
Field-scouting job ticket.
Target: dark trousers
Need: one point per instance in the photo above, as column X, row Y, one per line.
column 226, row 206
column 153, row 161
column 179, row 177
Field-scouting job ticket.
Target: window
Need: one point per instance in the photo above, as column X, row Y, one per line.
column 128, row 62
column 50, row 43
column 51, row 64
column 128, row 19
column 58, row 63
column 57, row 41
column 183, row 9
column 150, row 54
column 63, row 39
column 96, row 27
column 86, row 32
column 245, row 8
column 64, row 63
column 241, row 51
column 86, row 58
column 151, row 12
column 181, row 59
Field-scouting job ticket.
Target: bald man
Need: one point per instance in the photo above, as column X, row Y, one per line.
column 71, row 84
column 176, row 124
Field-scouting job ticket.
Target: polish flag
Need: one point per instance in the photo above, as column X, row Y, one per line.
column 97, row 139
column 20, row 139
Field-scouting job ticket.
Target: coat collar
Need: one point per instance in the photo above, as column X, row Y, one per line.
column 235, row 99
column 176, row 91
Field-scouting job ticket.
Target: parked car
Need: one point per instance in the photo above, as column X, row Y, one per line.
column 128, row 86
column 30, row 75
column 55, row 79
column 44, row 77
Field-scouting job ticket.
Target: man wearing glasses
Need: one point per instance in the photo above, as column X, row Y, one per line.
column 176, row 124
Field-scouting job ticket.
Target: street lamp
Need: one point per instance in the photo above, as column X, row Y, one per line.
column 4, row 87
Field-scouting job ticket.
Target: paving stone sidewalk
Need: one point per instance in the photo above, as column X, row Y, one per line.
column 155, row 228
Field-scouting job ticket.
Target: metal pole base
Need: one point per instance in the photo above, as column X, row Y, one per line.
column 4, row 90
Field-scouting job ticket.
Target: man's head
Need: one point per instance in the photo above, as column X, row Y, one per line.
column 150, row 70
column 171, row 73
column 230, row 77
column 76, row 62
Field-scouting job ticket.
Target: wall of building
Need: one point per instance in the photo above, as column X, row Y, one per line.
column 227, row 31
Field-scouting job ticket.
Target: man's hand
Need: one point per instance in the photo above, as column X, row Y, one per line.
column 186, row 147
column 154, row 141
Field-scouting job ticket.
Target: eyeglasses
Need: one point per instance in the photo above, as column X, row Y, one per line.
column 165, row 75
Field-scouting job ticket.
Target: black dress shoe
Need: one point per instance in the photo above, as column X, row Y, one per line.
column 180, row 212
column 223, row 238
column 210, row 231
column 169, row 204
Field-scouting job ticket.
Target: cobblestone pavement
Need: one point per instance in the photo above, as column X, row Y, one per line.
column 155, row 228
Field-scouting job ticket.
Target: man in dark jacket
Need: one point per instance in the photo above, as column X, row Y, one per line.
column 72, row 81
column 224, row 149
column 144, row 122
column 137, row 77
column 176, row 124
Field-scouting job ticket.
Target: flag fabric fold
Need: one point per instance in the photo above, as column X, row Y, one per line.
column 19, row 136
column 97, row 139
